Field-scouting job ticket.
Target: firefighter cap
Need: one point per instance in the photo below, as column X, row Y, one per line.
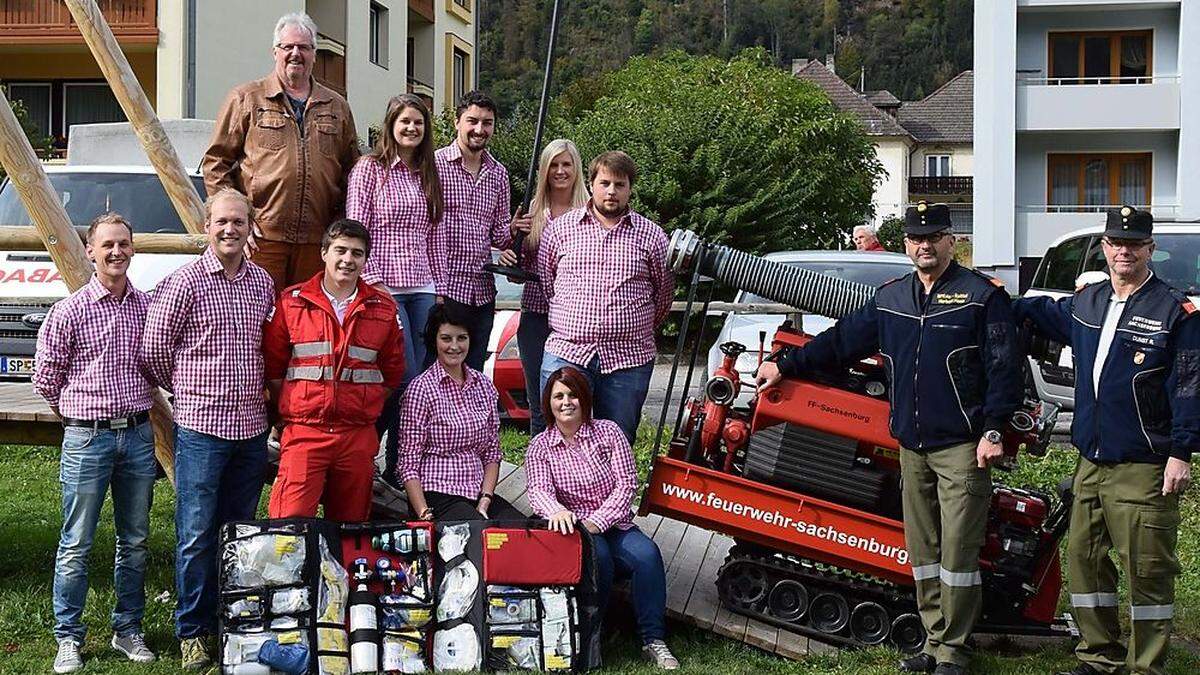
column 1128, row 222
column 926, row 218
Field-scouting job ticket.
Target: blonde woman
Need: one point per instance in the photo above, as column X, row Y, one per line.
column 560, row 188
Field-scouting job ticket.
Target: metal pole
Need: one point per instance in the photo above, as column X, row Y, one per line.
column 516, row 272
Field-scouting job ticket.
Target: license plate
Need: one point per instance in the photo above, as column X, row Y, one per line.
column 16, row 365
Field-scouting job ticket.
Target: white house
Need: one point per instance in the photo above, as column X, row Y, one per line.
column 1081, row 105
column 924, row 146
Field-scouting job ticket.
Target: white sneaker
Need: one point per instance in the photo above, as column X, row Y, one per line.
column 68, row 660
column 657, row 651
column 134, row 647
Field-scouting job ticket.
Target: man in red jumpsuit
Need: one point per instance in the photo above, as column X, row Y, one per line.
column 334, row 351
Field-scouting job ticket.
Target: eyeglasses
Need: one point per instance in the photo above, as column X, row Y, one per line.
column 303, row 47
column 922, row 238
column 1131, row 244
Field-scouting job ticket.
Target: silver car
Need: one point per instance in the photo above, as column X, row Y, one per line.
column 755, row 331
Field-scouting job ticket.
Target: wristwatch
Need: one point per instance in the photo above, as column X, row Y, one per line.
column 992, row 436
column 489, row 495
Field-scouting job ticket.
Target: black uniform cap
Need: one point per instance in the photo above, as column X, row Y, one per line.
column 926, row 218
column 1129, row 223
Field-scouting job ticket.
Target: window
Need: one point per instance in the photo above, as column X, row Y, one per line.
column 1060, row 267
column 36, row 99
column 378, row 35
column 88, row 102
column 1107, row 57
column 1093, row 182
column 461, row 68
column 937, row 165
column 465, row 4
column 85, row 195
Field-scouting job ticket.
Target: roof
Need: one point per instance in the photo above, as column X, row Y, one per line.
column 883, row 99
column 846, row 99
column 945, row 116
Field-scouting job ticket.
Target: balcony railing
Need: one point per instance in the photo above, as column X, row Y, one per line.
column 50, row 22
column 1023, row 80
column 1159, row 210
column 423, row 8
column 940, row 185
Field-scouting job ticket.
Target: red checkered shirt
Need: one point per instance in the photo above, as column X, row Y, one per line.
column 87, row 354
column 608, row 289
column 593, row 476
column 533, row 296
column 476, row 219
column 203, row 342
column 391, row 203
column 449, row 431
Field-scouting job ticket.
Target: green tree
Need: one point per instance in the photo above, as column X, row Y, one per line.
column 738, row 150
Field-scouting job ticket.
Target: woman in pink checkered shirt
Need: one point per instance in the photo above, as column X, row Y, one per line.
column 396, row 193
column 450, row 432
column 560, row 189
column 581, row 473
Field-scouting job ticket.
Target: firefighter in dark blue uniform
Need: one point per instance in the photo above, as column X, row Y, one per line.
column 1136, row 343
column 949, row 344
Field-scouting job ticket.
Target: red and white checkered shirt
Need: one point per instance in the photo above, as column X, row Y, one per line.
column 533, row 296
column 608, row 289
column 88, row 354
column 449, row 431
column 391, row 203
column 476, row 219
column 203, row 342
column 593, row 476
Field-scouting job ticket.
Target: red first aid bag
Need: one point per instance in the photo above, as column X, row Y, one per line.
column 524, row 557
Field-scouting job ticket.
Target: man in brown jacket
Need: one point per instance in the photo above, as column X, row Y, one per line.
column 289, row 143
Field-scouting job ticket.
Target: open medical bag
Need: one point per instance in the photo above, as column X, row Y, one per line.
column 282, row 598
column 313, row 596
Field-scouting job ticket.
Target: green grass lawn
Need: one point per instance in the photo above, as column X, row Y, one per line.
column 30, row 519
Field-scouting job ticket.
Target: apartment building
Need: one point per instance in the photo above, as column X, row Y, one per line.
column 187, row 54
column 1080, row 106
column 924, row 146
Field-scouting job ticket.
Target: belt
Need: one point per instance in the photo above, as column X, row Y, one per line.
column 117, row 423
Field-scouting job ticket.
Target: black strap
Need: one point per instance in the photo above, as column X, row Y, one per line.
column 114, row 423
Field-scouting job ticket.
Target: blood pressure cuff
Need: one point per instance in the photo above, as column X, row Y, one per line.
column 529, row 557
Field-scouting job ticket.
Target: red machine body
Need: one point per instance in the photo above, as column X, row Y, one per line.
column 807, row 483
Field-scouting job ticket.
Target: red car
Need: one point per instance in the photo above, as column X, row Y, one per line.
column 504, row 359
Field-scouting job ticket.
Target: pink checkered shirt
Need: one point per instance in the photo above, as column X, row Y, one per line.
column 449, row 431
column 476, row 219
column 203, row 342
column 391, row 203
column 608, row 289
column 593, row 477
column 533, row 296
column 87, row 354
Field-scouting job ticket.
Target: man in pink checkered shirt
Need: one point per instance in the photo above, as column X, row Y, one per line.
column 203, row 342
column 87, row 370
column 604, row 269
column 477, row 198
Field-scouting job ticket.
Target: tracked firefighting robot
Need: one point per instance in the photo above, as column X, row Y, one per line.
column 807, row 481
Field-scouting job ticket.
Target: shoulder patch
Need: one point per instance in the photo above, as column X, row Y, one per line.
column 996, row 282
column 1188, row 307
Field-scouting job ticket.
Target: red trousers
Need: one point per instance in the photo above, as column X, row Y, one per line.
column 334, row 466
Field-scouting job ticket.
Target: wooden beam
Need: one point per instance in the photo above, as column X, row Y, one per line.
column 66, row 248
column 129, row 94
column 22, row 238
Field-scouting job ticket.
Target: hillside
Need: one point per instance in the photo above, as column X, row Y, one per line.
column 909, row 47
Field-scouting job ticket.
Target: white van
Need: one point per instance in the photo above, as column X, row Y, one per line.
column 106, row 170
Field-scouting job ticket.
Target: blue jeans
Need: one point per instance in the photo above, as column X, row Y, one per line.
column 216, row 481
column 92, row 460
column 531, row 341
column 413, row 309
column 630, row 554
column 616, row 396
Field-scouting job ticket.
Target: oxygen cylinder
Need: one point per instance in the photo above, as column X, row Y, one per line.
column 364, row 621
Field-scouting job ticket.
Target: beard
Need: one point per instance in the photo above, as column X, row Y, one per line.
column 604, row 210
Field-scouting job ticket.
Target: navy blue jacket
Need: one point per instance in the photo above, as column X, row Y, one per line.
column 951, row 356
column 1148, row 407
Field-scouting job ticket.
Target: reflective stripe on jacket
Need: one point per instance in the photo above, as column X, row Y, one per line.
column 333, row 374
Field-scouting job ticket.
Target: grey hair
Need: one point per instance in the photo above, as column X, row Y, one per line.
column 864, row 228
column 296, row 19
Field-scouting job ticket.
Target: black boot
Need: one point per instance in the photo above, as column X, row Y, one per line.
column 921, row 663
column 947, row 668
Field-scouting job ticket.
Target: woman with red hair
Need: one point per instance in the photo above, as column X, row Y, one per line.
column 581, row 473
